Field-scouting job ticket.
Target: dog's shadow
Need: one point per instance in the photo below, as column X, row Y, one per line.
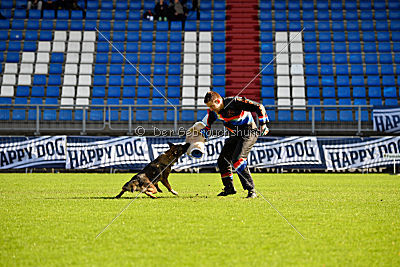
column 133, row 197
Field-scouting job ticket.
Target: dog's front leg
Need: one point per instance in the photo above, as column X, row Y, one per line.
column 158, row 188
column 165, row 182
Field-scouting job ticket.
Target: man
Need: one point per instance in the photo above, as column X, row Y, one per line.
column 235, row 112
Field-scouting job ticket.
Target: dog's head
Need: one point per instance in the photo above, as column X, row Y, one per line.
column 175, row 151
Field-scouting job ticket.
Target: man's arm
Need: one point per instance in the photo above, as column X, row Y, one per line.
column 208, row 120
column 252, row 106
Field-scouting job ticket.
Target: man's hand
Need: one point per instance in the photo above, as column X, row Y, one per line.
column 263, row 130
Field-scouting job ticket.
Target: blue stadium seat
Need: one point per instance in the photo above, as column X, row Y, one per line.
column 133, row 26
column 175, row 59
column 218, row 81
column 76, row 25
column 177, row 47
column 17, row 24
column 371, row 59
column 190, row 26
column 159, row 80
column 391, row 102
column 364, row 111
column 57, row 58
column 37, row 91
column 373, row 80
column 324, row 37
column 125, row 111
column 294, row 16
column 265, row 5
column 93, row 4
column 312, row 81
column 220, row 91
column 162, row 26
column 114, row 91
column 284, row 115
column 32, row 112
column 367, row 26
column 119, row 26
column 147, row 25
column 280, row 15
column 388, row 80
column 62, row 25
column 374, row 92
column 384, row 47
column 161, row 47
column 133, row 15
column 266, row 26
column 355, row 47
column 337, row 15
column 309, row 26
column 160, row 69
column 387, row 69
column 345, row 113
column 357, row 70
column 268, row 102
column 220, row 37
column 343, row 92
column 310, row 37
column 90, row 25
column 308, row 16
column 355, row 59
column 385, row 59
column 219, row 16
column 129, row 80
column 161, row 58
column 343, row 81
column 339, row 37
column 157, row 113
column 326, row 58
column 76, row 15
column 96, row 113
column 328, row 92
column 267, row 92
column 372, row 70
column 205, row 26
column 187, row 115
column 19, row 112
column 330, row 113
column 132, row 47
column 91, row 15
column 120, row 15
column 375, row 102
column 312, row 92
column 174, row 81
column 98, row 91
column 338, row 26
column 132, row 58
column 147, row 37
column 359, row 91
column 114, row 80
column 146, row 47
column 50, row 113
column 324, row 26
column 63, row 14
column 267, row 81
column 219, row 59
column 369, row 47
column 383, row 36
column 143, row 91
column 159, row 91
column 142, row 113
column 174, row 69
column 65, row 115
column 176, row 26
column 266, row 37
column 205, row 15
column 281, row 26
column 174, row 91
column 114, row 113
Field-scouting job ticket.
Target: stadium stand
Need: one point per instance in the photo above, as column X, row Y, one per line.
column 307, row 52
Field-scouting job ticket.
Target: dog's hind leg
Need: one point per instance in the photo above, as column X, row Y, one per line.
column 151, row 190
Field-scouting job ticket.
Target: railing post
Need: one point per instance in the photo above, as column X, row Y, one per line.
column 313, row 120
column 130, row 120
column 175, row 120
column 359, row 121
column 83, row 120
column 37, row 132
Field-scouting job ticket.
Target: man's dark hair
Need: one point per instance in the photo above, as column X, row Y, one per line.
column 211, row 96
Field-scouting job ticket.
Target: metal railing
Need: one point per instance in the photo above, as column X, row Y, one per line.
column 81, row 121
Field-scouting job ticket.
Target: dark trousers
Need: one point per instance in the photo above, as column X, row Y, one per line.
column 235, row 152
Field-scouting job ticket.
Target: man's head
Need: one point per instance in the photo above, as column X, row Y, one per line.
column 214, row 101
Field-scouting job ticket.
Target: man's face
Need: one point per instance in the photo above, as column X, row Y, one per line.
column 215, row 105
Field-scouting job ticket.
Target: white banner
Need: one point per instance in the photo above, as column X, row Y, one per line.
column 212, row 150
column 107, row 153
column 45, row 150
column 284, row 152
column 288, row 151
column 387, row 120
column 361, row 154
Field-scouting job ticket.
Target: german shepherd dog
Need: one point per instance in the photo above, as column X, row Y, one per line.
column 147, row 179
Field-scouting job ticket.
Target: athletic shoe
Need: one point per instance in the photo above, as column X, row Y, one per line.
column 227, row 191
column 251, row 194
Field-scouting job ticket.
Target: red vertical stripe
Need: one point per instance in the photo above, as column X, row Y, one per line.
column 242, row 48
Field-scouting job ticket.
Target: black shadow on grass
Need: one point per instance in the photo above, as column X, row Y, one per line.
column 133, row 197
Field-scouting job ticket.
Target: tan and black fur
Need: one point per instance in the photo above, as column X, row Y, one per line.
column 158, row 170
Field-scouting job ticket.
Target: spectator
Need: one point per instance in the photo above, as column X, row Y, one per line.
column 161, row 10
column 177, row 11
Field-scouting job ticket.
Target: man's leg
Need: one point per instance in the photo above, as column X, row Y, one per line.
column 239, row 160
column 225, row 167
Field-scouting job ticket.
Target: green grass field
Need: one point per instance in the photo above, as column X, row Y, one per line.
column 347, row 219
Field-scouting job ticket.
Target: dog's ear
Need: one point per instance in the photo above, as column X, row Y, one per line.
column 185, row 147
column 170, row 144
